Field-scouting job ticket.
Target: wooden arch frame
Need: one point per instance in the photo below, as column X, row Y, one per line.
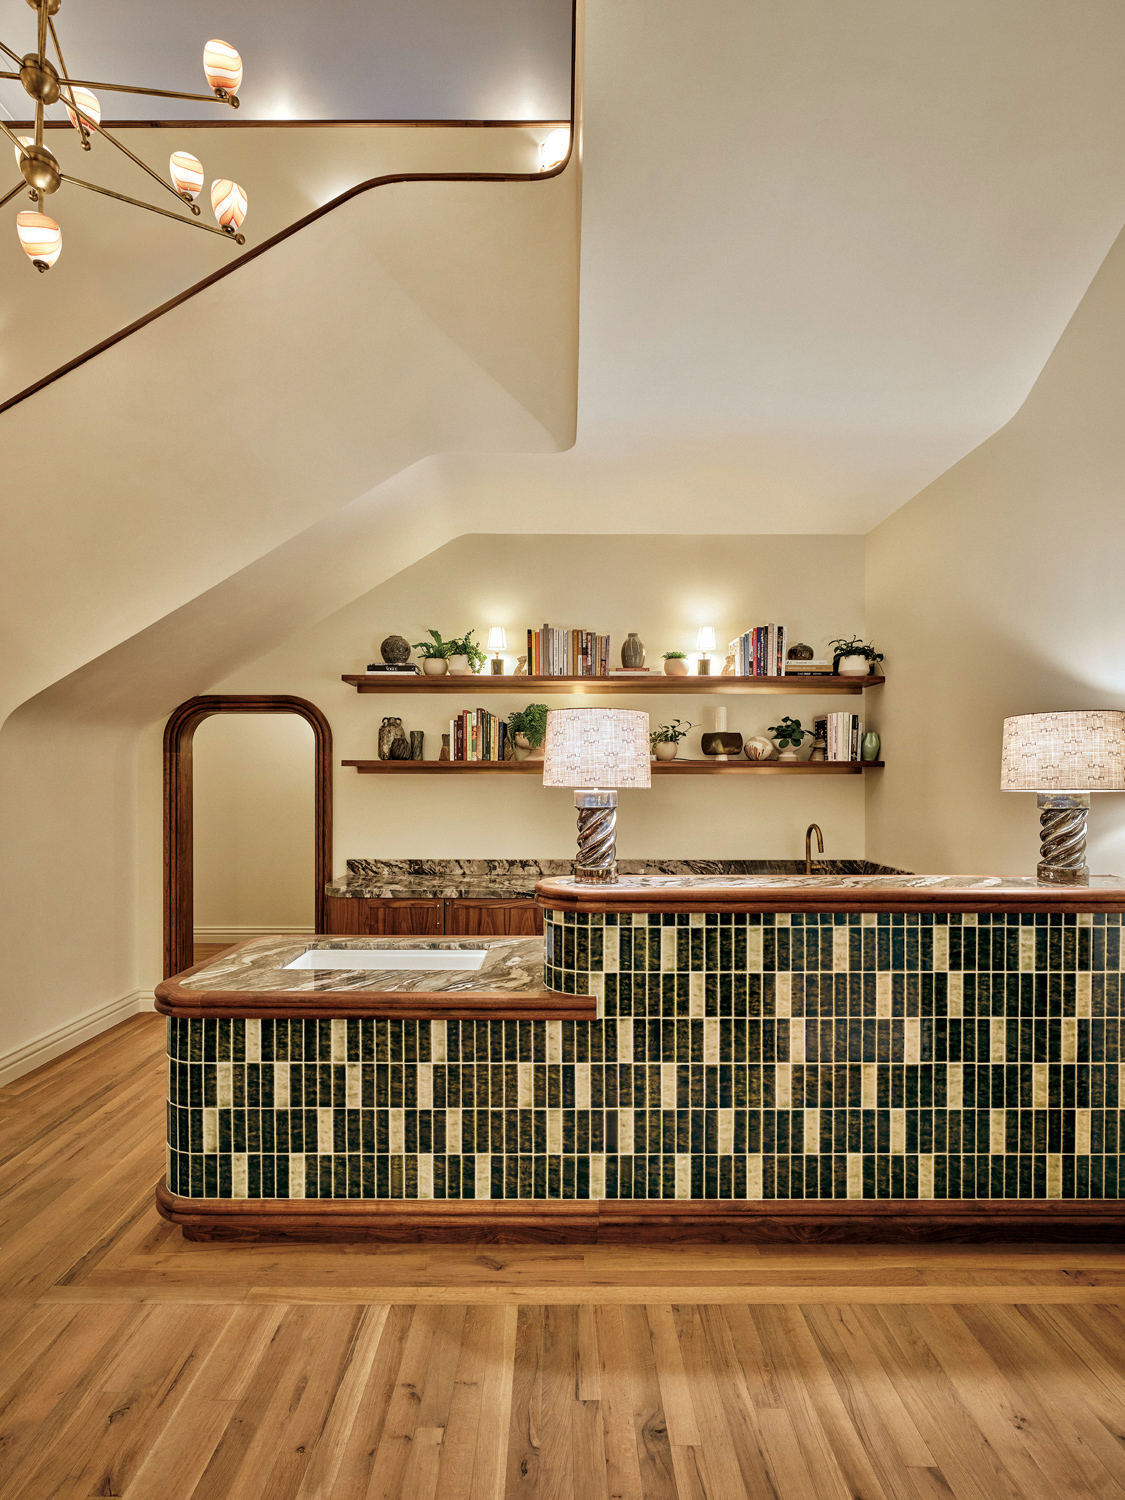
column 179, row 733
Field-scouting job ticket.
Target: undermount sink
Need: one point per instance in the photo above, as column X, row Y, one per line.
column 390, row 958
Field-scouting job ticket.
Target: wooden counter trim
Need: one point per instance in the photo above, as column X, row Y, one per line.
column 639, row 1221
column 810, row 898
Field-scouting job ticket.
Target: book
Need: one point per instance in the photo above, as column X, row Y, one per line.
column 553, row 652
column 760, row 652
column 394, row 671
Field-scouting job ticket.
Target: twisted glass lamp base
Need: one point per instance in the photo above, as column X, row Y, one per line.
column 1062, row 825
column 597, row 837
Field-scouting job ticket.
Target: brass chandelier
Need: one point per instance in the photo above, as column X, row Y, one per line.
column 48, row 83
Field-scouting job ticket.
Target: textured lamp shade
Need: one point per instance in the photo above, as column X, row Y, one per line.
column 1067, row 752
column 186, row 172
column 497, row 640
column 40, row 237
column 223, row 66
column 596, row 747
column 229, row 202
column 88, row 104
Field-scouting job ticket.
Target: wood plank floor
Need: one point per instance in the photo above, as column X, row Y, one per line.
column 136, row 1365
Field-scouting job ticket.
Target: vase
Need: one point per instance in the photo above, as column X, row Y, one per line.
column 435, row 666
column 665, row 749
column 530, row 752
column 853, row 666
column 758, row 748
column 392, row 736
column 395, row 650
column 417, row 737
column 459, row 666
column 675, row 666
column 633, row 651
column 869, row 749
column 721, row 744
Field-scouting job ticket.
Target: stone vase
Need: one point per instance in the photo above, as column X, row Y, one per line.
column 870, row 746
column 633, row 651
column 392, row 735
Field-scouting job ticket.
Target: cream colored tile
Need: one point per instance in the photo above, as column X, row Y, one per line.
column 425, row 1084
column 554, row 1131
column 339, row 1041
column 438, row 1041
column 754, row 950
column 1039, row 1085
column 954, row 1079
column 683, row 1176
column 324, row 1131
column 667, row 950
column 1082, row 1132
column 941, row 949
column 396, row 1131
column 811, row 1135
column 453, row 1131
column 898, row 1132
column 726, row 1131
column 484, row 1177
column 912, row 1040
column 210, row 1131
column 582, row 1085
column 554, row 1041
column 697, row 999
column 1082, row 994
column 223, row 1095
column 796, row 1038
column 783, row 994
column 783, row 1085
column 711, row 1040
column 296, row 1175
column 839, row 950
column 525, row 1085
column 883, row 995
column 611, row 950
column 868, row 1087
column 998, row 1040
column 625, row 1039
column 353, row 1081
column 1069, row 1039
column 997, row 1131
column 925, row 1177
column 955, row 994
column 238, row 1175
column 1027, row 950
column 855, row 1175
column 667, row 1085
column 1054, row 1177
column 753, row 1177
column 597, row 1176
column 253, row 1041
column 625, row 1132
column 425, row 1175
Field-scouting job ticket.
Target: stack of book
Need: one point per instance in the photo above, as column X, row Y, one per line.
column 552, row 652
column 841, row 734
column 818, row 668
column 759, row 652
column 393, row 670
column 475, row 734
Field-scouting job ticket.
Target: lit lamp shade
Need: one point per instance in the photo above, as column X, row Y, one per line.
column 706, row 639
column 186, row 172
column 229, row 202
column 88, row 104
column 553, row 150
column 223, row 66
column 497, row 640
column 1066, row 752
column 596, row 747
column 40, row 237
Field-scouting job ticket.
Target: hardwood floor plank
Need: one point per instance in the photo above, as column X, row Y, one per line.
column 623, row 1464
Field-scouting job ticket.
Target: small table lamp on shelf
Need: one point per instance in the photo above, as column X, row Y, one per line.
column 1064, row 757
column 705, row 642
column 596, row 750
column 497, row 642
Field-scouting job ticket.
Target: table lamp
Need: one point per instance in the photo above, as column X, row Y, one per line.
column 596, row 750
column 1064, row 757
column 705, row 642
column 497, row 642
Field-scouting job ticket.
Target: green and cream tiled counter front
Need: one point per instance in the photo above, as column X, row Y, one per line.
column 699, row 1057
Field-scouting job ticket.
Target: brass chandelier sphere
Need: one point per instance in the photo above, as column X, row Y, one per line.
column 47, row 82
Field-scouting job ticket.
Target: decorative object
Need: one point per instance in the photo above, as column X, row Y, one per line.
column 395, row 650
column 464, row 646
column 664, row 740
column 528, row 727
column 1064, row 757
column 400, row 749
column 521, row 667
column 459, row 666
column 675, row 664
column 852, row 658
column 705, row 641
column 444, row 754
column 869, row 747
column 800, row 652
column 757, row 747
column 497, row 642
column 48, row 82
column 633, row 651
column 819, row 748
column 417, row 740
column 720, row 743
column 435, row 666
column 391, row 733
column 729, row 665
column 789, row 735
column 597, row 750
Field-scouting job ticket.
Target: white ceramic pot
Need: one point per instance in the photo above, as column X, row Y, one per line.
column 459, row 666
column 435, row 666
column 788, row 754
column 758, row 748
column 854, row 666
column 523, row 747
column 665, row 749
column 676, row 666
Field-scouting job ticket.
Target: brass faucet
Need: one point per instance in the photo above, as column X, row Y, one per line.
column 809, row 831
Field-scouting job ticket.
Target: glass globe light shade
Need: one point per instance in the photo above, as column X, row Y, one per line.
column 88, row 104
column 223, row 66
column 186, row 172
column 25, row 140
column 553, row 150
column 229, row 202
column 40, row 237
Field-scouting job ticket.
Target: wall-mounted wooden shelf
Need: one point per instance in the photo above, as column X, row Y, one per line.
column 484, row 683
column 659, row 767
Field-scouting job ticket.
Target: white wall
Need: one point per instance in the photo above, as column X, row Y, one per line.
column 1000, row 590
column 253, row 823
column 663, row 587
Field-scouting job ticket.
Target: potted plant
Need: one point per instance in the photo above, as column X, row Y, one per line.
column 465, row 655
column 528, row 727
column 675, row 664
column 665, row 739
column 435, row 655
column 789, row 735
column 852, row 658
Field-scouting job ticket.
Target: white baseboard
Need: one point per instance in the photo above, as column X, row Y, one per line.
column 244, row 934
column 25, row 1059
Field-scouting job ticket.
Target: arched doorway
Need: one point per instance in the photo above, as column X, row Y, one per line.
column 179, row 733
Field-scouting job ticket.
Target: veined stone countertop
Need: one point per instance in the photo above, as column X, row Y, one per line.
column 515, row 879
column 905, row 893
column 252, row 980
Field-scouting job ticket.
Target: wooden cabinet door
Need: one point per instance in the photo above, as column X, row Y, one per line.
column 494, row 918
column 404, row 918
column 343, row 917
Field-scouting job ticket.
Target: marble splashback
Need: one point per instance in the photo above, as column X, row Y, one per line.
column 498, row 879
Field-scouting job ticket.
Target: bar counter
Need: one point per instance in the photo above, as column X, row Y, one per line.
column 845, row 1057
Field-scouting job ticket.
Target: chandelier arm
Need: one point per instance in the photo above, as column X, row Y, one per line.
column 14, row 138
column 82, row 131
column 156, row 177
column 38, row 122
column 131, row 88
column 15, row 77
column 7, row 198
column 41, row 39
column 239, row 239
column 16, row 58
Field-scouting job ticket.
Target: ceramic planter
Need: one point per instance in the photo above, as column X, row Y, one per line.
column 523, row 744
column 758, row 748
column 459, row 666
column 665, row 749
column 870, row 747
column 854, row 666
column 676, row 666
column 435, row 666
column 788, row 754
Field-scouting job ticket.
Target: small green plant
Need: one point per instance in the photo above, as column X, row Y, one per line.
column 854, row 647
column 789, row 732
column 463, row 645
column 531, row 722
column 669, row 734
column 435, row 647
column 675, row 656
